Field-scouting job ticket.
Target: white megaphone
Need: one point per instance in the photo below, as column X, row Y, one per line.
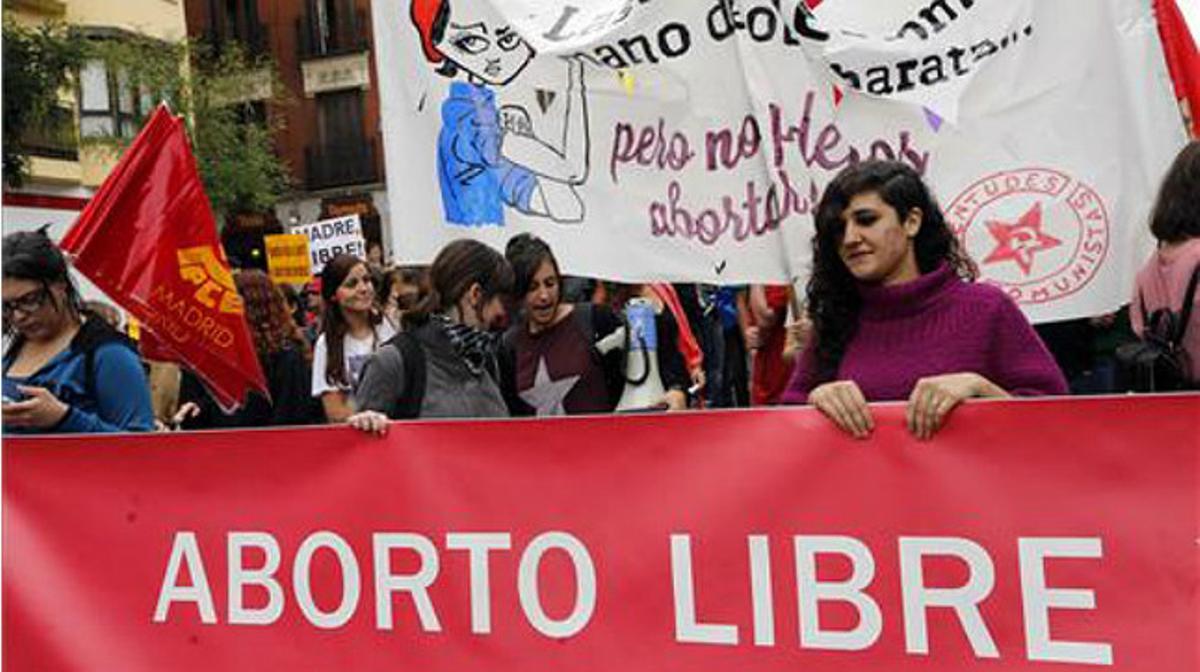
column 643, row 385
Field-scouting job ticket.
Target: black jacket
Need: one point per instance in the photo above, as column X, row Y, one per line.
column 289, row 382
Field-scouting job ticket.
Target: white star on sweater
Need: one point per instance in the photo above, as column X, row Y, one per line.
column 547, row 395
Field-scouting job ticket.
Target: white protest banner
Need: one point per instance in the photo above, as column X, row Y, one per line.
column 690, row 140
column 331, row 237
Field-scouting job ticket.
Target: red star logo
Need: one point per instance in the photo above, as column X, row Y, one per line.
column 1020, row 241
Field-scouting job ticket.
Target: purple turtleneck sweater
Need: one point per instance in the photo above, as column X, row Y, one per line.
column 934, row 325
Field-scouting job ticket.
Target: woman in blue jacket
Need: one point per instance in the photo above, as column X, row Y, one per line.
column 65, row 370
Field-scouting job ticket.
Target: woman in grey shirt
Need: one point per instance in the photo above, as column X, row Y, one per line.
column 443, row 364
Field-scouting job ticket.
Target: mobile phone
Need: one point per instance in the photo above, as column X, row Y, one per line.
column 11, row 393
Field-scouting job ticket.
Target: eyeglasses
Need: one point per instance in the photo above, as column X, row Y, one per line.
column 26, row 303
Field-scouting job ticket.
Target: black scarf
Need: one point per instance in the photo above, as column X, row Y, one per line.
column 476, row 347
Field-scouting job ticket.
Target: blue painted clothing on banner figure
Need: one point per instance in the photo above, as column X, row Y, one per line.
column 477, row 180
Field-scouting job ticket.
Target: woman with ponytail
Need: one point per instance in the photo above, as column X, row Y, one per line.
column 443, row 365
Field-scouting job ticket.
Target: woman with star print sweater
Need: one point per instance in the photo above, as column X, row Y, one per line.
column 548, row 362
column 896, row 314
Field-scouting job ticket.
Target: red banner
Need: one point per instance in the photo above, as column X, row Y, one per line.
column 1029, row 535
column 149, row 240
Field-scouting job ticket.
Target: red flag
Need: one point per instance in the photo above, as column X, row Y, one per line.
column 1183, row 61
column 148, row 239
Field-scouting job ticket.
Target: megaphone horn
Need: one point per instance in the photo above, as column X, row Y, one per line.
column 643, row 384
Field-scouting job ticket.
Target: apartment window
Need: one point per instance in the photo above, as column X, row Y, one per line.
column 108, row 102
column 95, row 102
column 340, row 118
column 237, row 20
column 330, row 27
column 326, row 20
column 231, row 14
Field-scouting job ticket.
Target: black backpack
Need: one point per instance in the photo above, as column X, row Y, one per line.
column 412, row 354
column 1157, row 362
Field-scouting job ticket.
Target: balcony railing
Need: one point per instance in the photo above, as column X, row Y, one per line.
column 54, row 136
column 342, row 164
column 254, row 38
column 343, row 31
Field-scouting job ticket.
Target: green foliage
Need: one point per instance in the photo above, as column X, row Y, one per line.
column 224, row 94
column 154, row 71
column 38, row 64
column 234, row 136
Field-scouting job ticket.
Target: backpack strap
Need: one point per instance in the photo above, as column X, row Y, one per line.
column 412, row 354
column 1185, row 311
column 94, row 333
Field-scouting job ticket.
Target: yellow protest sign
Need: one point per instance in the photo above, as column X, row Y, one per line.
column 287, row 258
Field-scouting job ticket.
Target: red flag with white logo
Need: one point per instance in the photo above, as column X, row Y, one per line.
column 149, row 240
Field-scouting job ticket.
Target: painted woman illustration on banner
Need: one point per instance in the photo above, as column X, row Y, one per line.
column 490, row 157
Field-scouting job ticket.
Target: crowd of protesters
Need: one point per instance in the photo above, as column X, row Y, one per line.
column 892, row 311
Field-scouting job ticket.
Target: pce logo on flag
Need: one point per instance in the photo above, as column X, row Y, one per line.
column 199, row 266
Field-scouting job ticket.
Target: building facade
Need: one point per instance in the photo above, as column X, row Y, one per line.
column 64, row 174
column 330, row 138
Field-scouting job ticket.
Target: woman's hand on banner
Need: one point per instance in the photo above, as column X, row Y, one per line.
column 844, row 403
column 933, row 398
column 372, row 422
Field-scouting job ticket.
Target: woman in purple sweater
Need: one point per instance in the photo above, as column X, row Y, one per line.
column 897, row 315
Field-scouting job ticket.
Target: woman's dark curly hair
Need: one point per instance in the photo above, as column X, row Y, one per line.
column 833, row 298
column 267, row 316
